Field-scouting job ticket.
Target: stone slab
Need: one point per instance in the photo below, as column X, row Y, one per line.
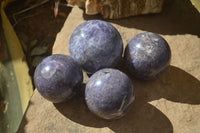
column 168, row 104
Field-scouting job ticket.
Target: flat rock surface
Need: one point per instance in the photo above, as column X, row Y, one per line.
column 168, row 104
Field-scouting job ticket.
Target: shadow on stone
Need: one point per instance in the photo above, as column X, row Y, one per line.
column 174, row 84
column 141, row 117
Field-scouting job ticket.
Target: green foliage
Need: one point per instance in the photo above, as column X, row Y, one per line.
column 34, row 54
column 37, row 60
column 38, row 50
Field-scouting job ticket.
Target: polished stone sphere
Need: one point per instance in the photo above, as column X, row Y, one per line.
column 58, row 77
column 109, row 93
column 147, row 55
column 96, row 44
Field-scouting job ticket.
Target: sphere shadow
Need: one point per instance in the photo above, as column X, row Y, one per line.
column 174, row 84
column 178, row 86
column 142, row 117
column 177, row 17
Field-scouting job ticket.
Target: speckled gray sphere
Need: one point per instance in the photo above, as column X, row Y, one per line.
column 147, row 55
column 96, row 44
column 58, row 77
column 109, row 93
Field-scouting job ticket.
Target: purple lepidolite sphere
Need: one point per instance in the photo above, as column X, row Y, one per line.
column 96, row 44
column 147, row 55
column 109, row 93
column 58, row 77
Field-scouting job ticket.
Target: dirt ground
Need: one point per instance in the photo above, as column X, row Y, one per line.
column 37, row 24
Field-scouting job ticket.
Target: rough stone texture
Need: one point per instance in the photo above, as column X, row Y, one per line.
column 147, row 55
column 87, row 45
column 115, row 9
column 109, row 93
column 169, row 104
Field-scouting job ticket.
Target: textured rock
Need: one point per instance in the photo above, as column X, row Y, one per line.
column 80, row 3
column 115, row 9
column 109, row 93
column 147, row 55
column 169, row 104
column 88, row 42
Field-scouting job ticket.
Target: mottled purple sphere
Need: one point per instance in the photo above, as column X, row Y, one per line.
column 58, row 77
column 96, row 44
column 147, row 55
column 109, row 93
